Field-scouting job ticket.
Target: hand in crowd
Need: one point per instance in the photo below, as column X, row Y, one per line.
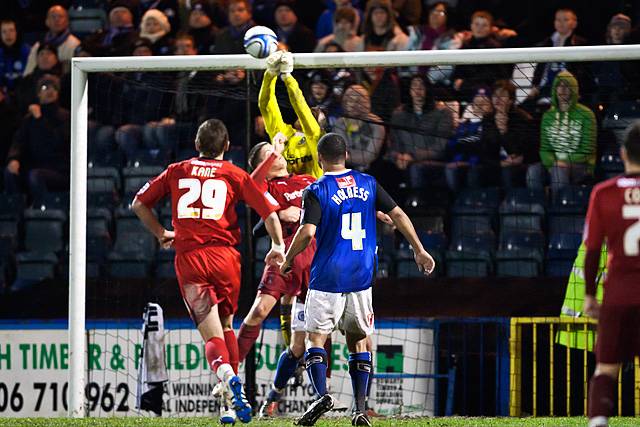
column 13, row 167
column 35, row 111
column 290, row 214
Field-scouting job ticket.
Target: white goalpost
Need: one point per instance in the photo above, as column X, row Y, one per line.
column 81, row 67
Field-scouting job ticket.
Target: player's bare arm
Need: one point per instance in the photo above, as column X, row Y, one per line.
column 165, row 237
column 301, row 240
column 425, row 262
column 276, row 254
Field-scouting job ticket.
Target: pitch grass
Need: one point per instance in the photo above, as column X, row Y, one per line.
column 286, row 422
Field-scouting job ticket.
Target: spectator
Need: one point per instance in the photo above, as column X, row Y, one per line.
column 46, row 63
column 59, row 36
column 13, row 55
column 616, row 80
column 326, row 22
column 471, row 164
column 118, row 38
column 565, row 24
column 419, row 134
column 40, row 152
column 408, row 12
column 230, row 39
column 510, row 133
column 383, row 86
column 155, row 27
column 568, row 134
column 344, row 34
column 381, row 32
column 169, row 9
column 468, row 77
column 360, row 128
column 293, row 35
column 8, row 123
column 202, row 27
column 163, row 137
column 142, row 47
column 320, row 94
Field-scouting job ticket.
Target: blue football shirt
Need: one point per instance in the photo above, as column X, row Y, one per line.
column 343, row 207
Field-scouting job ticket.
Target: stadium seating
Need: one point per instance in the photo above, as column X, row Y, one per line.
column 44, row 230
column 610, row 165
column 135, row 177
column 86, row 20
column 565, row 223
column 561, row 253
column 129, row 265
column 470, row 255
column 165, row 268
column 33, row 267
column 570, row 200
column 520, row 254
column 522, row 209
column 103, row 186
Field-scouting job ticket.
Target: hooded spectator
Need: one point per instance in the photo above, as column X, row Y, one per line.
column 326, row 22
column 46, row 63
column 381, row 32
column 567, row 135
column 59, row 36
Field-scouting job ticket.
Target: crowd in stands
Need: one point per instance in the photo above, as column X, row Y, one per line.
column 451, row 127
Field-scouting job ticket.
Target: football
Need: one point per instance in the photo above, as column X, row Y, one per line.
column 260, row 42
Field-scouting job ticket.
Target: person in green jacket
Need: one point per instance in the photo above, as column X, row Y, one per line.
column 567, row 135
column 576, row 336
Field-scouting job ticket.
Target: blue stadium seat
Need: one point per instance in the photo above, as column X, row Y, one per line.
column 165, row 267
column 433, row 240
column 470, row 255
column 99, row 222
column 44, row 230
column 406, row 269
column 566, row 223
column 86, row 20
column 558, row 267
column 141, row 243
column 572, row 199
column 33, row 267
column 470, row 224
column 482, row 201
column 428, row 223
column 147, row 157
column 136, row 177
column 103, row 186
column 130, row 265
column 435, row 202
column 563, row 246
column 520, row 254
column 522, row 209
column 53, row 200
column 610, row 165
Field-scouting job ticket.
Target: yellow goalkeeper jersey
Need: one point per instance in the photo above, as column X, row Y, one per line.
column 301, row 149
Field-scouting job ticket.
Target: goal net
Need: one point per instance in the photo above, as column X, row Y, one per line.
column 478, row 178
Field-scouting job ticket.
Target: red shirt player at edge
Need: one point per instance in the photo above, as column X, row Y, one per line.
column 204, row 193
column 614, row 216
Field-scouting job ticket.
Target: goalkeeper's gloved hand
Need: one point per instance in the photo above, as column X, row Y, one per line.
column 273, row 62
column 286, row 63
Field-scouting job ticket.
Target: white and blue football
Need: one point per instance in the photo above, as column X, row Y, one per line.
column 260, row 41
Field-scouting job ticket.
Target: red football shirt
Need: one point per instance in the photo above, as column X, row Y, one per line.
column 204, row 193
column 287, row 191
column 614, row 215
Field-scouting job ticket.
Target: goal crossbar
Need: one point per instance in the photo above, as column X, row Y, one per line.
column 79, row 117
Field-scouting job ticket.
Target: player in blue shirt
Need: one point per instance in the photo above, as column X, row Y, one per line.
column 340, row 211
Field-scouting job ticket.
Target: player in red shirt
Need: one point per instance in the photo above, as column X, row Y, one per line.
column 204, row 193
column 614, row 216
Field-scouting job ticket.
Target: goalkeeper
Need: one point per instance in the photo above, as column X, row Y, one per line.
column 301, row 149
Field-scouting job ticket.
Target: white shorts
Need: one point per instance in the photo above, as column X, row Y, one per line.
column 297, row 316
column 350, row 312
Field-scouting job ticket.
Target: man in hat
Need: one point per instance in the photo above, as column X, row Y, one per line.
column 202, row 26
column 58, row 36
column 292, row 34
column 40, row 152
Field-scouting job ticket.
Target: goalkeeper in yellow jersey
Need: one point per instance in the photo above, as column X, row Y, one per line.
column 301, row 149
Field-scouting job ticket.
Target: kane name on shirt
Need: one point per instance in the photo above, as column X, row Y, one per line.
column 204, row 193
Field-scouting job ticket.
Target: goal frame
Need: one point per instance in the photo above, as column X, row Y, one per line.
column 81, row 67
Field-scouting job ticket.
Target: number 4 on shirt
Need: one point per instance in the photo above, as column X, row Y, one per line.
column 212, row 193
column 352, row 230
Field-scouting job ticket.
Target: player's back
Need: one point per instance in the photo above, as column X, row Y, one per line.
column 204, row 194
column 615, row 216
column 345, row 259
